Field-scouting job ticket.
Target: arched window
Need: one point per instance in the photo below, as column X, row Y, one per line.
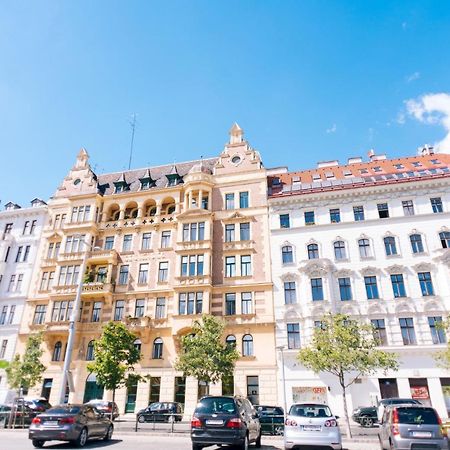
column 364, row 248
column 339, row 250
column 90, row 351
column 313, row 251
column 287, row 255
column 170, row 209
column 137, row 345
column 416, row 243
column 157, row 352
column 57, row 351
column 445, row 239
column 247, row 345
column 230, row 340
column 389, row 246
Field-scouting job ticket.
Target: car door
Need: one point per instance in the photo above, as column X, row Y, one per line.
column 384, row 428
column 250, row 415
column 91, row 421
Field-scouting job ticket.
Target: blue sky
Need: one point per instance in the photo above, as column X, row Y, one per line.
column 307, row 80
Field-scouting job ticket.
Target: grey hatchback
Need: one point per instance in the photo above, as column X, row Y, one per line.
column 73, row 423
column 410, row 427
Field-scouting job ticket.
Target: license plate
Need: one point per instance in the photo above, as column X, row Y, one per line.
column 421, row 434
column 51, row 423
column 311, row 427
column 214, row 422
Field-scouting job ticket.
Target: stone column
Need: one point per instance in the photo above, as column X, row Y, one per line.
column 200, row 198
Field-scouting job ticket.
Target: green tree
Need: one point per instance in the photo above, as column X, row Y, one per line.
column 443, row 357
column 26, row 371
column 3, row 364
column 203, row 354
column 348, row 350
column 114, row 356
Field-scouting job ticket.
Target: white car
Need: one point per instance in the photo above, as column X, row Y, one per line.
column 313, row 425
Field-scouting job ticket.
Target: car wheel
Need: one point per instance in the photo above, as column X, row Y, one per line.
column 279, row 430
column 37, row 443
column 196, row 447
column 366, row 421
column 82, row 438
column 109, row 433
column 171, row 419
column 245, row 444
column 141, row 419
column 258, row 440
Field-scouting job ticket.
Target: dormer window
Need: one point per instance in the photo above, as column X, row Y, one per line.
column 147, row 181
column 121, row 185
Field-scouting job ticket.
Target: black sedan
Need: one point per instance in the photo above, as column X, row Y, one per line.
column 271, row 419
column 365, row 416
column 161, row 412
column 72, row 423
column 22, row 415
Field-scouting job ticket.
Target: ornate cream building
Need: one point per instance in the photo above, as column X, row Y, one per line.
column 164, row 244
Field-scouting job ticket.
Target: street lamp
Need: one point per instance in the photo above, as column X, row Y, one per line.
column 283, row 377
column 72, row 320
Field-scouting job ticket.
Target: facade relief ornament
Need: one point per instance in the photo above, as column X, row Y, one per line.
column 289, row 276
column 342, row 273
column 423, row 267
column 404, row 307
column 317, row 268
column 369, row 270
column 395, row 268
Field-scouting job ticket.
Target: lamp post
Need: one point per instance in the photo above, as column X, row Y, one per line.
column 72, row 320
column 283, row 378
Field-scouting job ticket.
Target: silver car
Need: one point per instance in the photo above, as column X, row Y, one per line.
column 313, row 425
column 406, row 427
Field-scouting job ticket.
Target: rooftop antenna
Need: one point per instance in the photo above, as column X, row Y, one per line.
column 133, row 127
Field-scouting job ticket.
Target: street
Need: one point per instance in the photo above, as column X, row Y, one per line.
column 18, row 440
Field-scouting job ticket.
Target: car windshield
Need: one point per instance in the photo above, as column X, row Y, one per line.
column 63, row 410
column 270, row 411
column 314, row 411
column 417, row 416
column 211, row 405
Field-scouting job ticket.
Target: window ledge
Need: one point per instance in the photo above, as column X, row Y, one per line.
column 397, row 255
column 248, row 358
column 146, row 250
column 165, row 249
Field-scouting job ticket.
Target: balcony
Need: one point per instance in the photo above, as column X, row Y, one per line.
column 57, row 327
column 194, row 245
column 102, row 257
column 89, row 327
column 70, row 257
column 137, row 222
column 89, row 225
column 97, row 288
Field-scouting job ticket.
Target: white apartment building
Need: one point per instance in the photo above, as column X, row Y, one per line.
column 20, row 232
column 372, row 240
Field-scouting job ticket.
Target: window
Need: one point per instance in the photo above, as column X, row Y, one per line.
column 143, row 273
column 339, row 250
column 33, row 226
column 335, row 215
column 119, row 309
column 90, row 351
column 139, row 308
column 408, row 207
column 230, row 340
column 244, row 229
column 194, row 231
column 364, row 248
column 102, row 273
column 46, row 281
column 228, row 385
column 163, row 271
column 7, row 254
column 436, row 205
column 290, row 293
column 398, row 285
column 229, row 201
column 316, row 289
column 56, row 356
column 190, row 303
column 358, row 213
column 127, row 241
column 123, row 274
column 96, row 312
column 26, row 254
column 426, row 284
column 3, row 348
column 345, row 289
column 39, row 314
column 165, row 239
column 230, row 304
column 11, row 283
column 8, row 228
column 229, row 232
column 293, row 335
column 74, row 244
column 284, row 221
column 109, row 242
column 416, row 243
column 146, row 241
column 247, row 345
column 230, row 266
column 19, row 254
column 246, row 265
column 371, row 287
column 407, row 329
column 243, row 199
column 383, row 210
column 157, row 352
column 253, row 389
column 26, row 226
column 379, row 331
column 287, row 255
column 445, row 239
column 80, row 213
column 246, row 303
column 192, row 265
column 3, row 315
column 309, row 218
column 61, row 311
column 160, row 311
column 12, row 310
column 19, row 282
column 437, row 330
column 313, row 251
column 390, row 246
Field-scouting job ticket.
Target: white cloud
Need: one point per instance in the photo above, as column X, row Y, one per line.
column 414, row 76
column 401, row 118
column 332, row 129
column 433, row 109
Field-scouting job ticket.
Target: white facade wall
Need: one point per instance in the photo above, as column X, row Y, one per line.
column 13, row 294
column 416, row 361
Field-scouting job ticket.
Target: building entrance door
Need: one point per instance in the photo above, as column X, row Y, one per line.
column 92, row 391
column 388, row 387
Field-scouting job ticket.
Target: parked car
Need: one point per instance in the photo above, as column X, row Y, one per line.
column 405, row 427
column 394, row 401
column 311, row 424
column 39, row 404
column 366, row 416
column 24, row 415
column 72, row 423
column 271, row 419
column 161, row 412
column 105, row 407
column 223, row 420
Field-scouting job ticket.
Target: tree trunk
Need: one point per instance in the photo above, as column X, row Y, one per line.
column 112, row 406
column 348, row 431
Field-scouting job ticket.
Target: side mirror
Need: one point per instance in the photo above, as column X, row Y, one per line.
column 337, row 417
